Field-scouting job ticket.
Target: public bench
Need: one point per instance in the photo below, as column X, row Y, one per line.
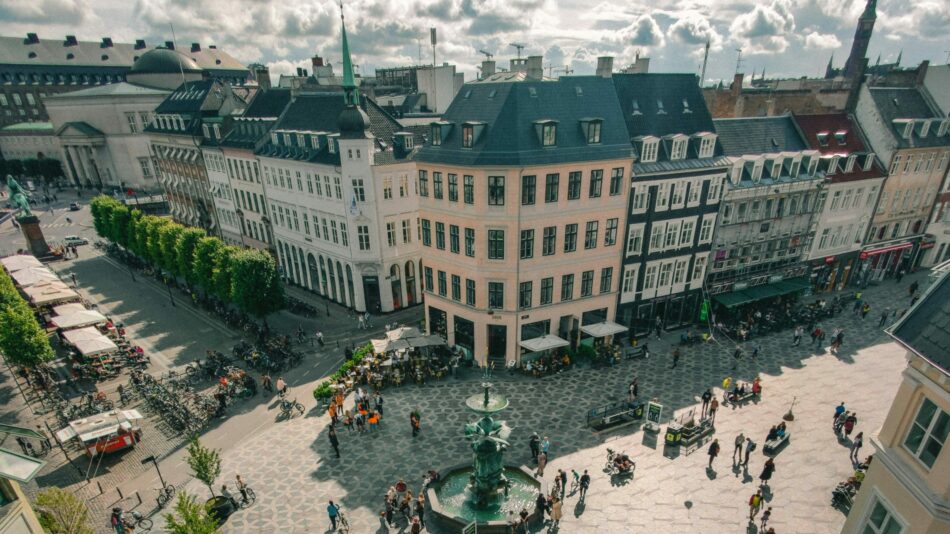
column 640, row 351
column 773, row 446
column 614, row 413
column 693, row 437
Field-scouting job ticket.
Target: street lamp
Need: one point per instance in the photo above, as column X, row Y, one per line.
column 240, row 215
column 168, row 286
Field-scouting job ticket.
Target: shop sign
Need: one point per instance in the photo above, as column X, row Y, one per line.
column 654, row 409
column 830, row 259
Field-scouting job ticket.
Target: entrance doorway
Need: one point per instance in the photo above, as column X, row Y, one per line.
column 497, row 342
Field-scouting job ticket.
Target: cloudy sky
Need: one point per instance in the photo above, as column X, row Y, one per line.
column 785, row 37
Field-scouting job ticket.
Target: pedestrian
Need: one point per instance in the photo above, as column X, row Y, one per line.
column 562, row 476
column 116, row 521
column 914, row 300
column 713, row 452
column 555, row 512
column 857, row 306
column 838, row 411
column 540, row 507
column 839, row 421
column 334, row 441
column 821, row 337
column 913, row 289
column 546, row 446
column 749, row 447
column 361, row 321
column 707, row 396
column 585, row 484
column 740, row 439
column 281, row 386
column 421, row 508
column 865, row 310
column 766, row 515
column 378, row 402
column 416, row 528
column 755, row 351
column 658, row 325
column 73, row 277
column 676, row 357
column 884, row 315
column 366, row 318
column 900, row 276
column 535, row 443
column 817, row 335
column 713, row 406
column 268, row 385
column 735, row 357
column 849, row 423
column 797, row 336
column 390, row 510
column 542, row 461
column 632, row 390
column 333, row 511
column 856, row 446
column 767, row 471
column 755, row 502
column 415, row 419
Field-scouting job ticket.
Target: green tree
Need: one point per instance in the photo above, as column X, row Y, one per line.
column 255, row 286
column 61, row 512
column 153, row 246
column 185, row 253
column 202, row 270
column 101, row 208
column 221, row 278
column 22, row 340
column 120, row 223
column 205, row 463
column 190, row 517
column 168, row 237
column 138, row 235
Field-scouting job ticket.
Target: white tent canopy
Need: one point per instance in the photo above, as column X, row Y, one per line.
column 89, row 342
column 20, row 261
column 381, row 346
column 78, row 318
column 403, row 332
column 66, row 309
column 50, row 292
column 426, row 341
column 545, row 342
column 604, row 329
column 33, row 275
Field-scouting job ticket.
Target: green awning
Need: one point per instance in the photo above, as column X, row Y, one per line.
column 757, row 293
column 733, row 299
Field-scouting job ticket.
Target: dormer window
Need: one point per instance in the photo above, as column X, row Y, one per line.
column 707, row 145
column 436, row 136
column 300, row 140
column 905, row 127
column 841, row 137
column 822, row 138
column 315, row 142
column 440, row 131
column 832, row 165
column 636, row 107
column 757, row 171
column 287, row 139
column 796, row 166
column 592, row 129
column 547, row 132
column 776, row 169
column 205, row 131
column 649, row 150
column 868, row 161
column 678, row 149
column 275, row 138
column 407, row 142
column 217, row 131
column 331, row 145
column 942, row 129
column 659, row 107
column 468, row 135
column 924, row 128
column 849, row 164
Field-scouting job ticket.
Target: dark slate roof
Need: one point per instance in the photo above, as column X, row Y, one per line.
column 189, row 97
column 831, row 123
column 640, row 96
column 925, row 329
column 759, row 135
column 256, row 121
column 194, row 101
column 509, row 111
column 906, row 103
column 270, row 103
column 164, row 61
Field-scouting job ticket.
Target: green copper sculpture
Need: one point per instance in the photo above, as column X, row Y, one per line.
column 18, row 197
column 489, row 440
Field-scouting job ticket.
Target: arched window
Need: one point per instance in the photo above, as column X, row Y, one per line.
column 349, row 284
column 323, row 278
column 410, row 283
column 339, row 272
column 314, row 276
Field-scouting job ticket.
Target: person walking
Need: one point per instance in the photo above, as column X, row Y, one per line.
column 585, row 484
column 740, row 440
column 707, row 396
column 766, row 515
column 749, row 447
column 415, row 420
column 534, row 442
column 378, row 402
column 632, row 390
column 713, row 452
column 281, row 386
column 767, row 471
column 816, row 335
column 797, row 336
column 865, row 310
column 540, row 507
column 735, row 357
column 542, row 461
column 713, row 406
column 676, row 357
column 755, row 502
column 857, row 306
column 334, row 441
column 333, row 511
column 268, row 385
column 849, row 422
column 900, row 275
column 856, row 446
column 838, row 411
column 555, row 513
column 421, row 508
column 884, row 315
column 562, row 476
column 545, row 446
column 658, row 325
column 755, row 350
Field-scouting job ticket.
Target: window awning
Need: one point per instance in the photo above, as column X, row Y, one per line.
column 545, row 342
column 603, row 329
column 757, row 293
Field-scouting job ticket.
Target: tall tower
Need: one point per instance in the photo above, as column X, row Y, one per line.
column 862, row 38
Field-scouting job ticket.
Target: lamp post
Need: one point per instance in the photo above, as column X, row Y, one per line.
column 240, row 215
column 168, row 286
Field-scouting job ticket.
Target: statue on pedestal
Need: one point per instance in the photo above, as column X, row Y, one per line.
column 29, row 223
column 18, row 197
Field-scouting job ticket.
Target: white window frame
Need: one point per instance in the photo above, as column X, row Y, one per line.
column 891, row 515
column 706, row 146
column 649, row 277
column 678, row 149
column 634, row 239
column 699, row 268
column 928, row 433
column 650, row 150
column 628, row 286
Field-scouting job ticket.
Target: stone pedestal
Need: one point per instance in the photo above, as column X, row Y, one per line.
column 35, row 242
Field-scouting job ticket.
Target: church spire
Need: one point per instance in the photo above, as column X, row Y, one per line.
column 349, row 83
column 830, row 69
column 870, row 10
column 899, row 55
column 862, row 38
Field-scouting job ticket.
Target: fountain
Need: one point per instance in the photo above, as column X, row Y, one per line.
column 486, row 491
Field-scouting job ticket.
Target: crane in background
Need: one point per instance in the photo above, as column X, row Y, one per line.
column 488, row 55
column 519, row 46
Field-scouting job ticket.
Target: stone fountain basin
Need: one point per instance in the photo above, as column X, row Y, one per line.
column 454, row 513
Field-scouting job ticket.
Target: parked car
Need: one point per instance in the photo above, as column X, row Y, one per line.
column 74, row 240
column 73, row 206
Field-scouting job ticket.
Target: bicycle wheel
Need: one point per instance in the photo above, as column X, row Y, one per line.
column 144, row 523
column 299, row 407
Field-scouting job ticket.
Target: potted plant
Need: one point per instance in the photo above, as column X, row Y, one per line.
column 205, row 465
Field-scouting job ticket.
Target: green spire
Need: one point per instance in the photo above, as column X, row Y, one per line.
column 870, row 10
column 349, row 83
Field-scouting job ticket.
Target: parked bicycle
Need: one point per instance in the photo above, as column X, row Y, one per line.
column 290, row 408
column 137, row 521
column 165, row 495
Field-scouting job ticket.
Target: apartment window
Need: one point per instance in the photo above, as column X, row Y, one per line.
column 823, row 242
column 326, row 185
column 649, row 151
column 656, row 237
column 895, row 164
column 468, row 189
column 698, row 266
column 587, row 283
column 881, row 520
column 686, row 234
column 593, row 132
column 549, row 134
column 468, row 136
column 663, row 279
column 525, row 295
column 527, row 190
column 453, row 188
column 496, row 190
column 678, row 150
column 436, row 138
column 629, row 280
column 567, row 287
column 427, row 275
column 610, row 236
column 470, row 242
column 649, row 277
column 146, row 166
column 390, row 233
column 423, row 184
column 440, row 236
column 693, row 195
column 442, row 284
column 426, row 233
column 343, row 235
column 363, row 234
column 358, row 190
column 551, row 183
column 437, row 185
column 677, row 190
column 705, row 231
column 387, row 187
column 496, row 244
column 496, row 295
column 928, row 433
column 133, row 123
column 527, row 244
column 590, row 234
column 574, row 185
column 456, row 288
column 570, row 237
column 706, row 147
column 549, row 239
column 469, row 292
column 406, row 232
column 634, row 240
column 639, row 198
column 679, row 271
column 616, row 181
column 672, row 232
column 454, row 239
column 336, row 186
column 606, row 279
column 403, row 186
column 596, row 183
column 662, row 195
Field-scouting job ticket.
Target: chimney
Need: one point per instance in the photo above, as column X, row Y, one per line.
column 316, row 61
column 195, row 47
column 737, row 84
column 641, row 65
column 299, row 71
column 922, row 72
column 170, row 45
column 488, row 68
column 70, row 41
column 262, row 75
column 31, row 38
column 518, row 65
column 535, row 71
column 106, row 42
column 139, row 44
column 605, row 66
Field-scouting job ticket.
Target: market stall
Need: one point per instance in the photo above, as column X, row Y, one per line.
column 19, row 261
column 105, row 432
column 89, row 341
column 49, row 293
column 33, row 275
column 78, row 319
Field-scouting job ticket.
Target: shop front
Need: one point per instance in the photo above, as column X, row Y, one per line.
column 879, row 261
column 832, row 273
column 674, row 311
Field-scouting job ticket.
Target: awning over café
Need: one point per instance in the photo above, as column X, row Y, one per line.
column 545, row 342
column 20, row 261
column 757, row 293
column 603, row 329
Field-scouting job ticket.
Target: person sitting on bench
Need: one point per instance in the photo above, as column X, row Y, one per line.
column 737, row 392
column 773, row 434
column 623, row 463
column 780, row 431
column 756, row 387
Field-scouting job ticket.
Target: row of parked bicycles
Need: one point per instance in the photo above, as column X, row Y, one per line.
column 182, row 408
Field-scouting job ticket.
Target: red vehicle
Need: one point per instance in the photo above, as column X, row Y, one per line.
column 105, row 432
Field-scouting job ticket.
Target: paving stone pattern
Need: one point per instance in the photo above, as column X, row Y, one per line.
column 294, row 473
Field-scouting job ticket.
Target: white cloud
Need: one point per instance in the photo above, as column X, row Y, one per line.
column 693, row 28
column 644, row 31
column 44, row 11
column 764, row 29
column 819, row 41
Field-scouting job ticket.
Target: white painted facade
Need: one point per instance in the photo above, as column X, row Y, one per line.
column 846, row 212
column 29, row 141
column 222, row 195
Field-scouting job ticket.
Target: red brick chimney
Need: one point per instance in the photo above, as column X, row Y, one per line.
column 737, row 84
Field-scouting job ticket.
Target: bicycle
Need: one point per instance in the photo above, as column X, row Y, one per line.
column 288, row 408
column 342, row 525
column 138, row 521
column 248, row 497
column 165, row 495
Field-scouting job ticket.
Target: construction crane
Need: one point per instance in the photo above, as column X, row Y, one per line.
column 519, row 46
column 566, row 69
column 488, row 55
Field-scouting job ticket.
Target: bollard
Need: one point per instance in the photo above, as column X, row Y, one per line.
column 99, row 484
column 119, row 491
column 139, row 496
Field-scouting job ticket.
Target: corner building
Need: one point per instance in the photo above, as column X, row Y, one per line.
column 523, row 189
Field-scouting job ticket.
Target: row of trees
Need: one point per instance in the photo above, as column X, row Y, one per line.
column 245, row 277
column 22, row 340
column 46, row 168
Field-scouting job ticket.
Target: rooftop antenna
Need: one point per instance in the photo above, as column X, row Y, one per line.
column 702, row 77
column 432, row 38
column 738, row 60
column 181, row 69
column 519, row 46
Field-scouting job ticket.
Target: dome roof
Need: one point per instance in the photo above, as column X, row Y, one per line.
column 353, row 122
column 164, row 61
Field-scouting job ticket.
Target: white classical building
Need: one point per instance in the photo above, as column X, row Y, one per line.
column 28, row 140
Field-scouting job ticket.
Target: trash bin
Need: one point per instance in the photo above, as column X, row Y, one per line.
column 674, row 434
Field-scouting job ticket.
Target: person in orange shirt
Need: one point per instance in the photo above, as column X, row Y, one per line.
column 332, row 412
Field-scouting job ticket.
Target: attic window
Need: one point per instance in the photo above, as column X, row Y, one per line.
column 649, row 149
column 274, row 138
column 546, row 131
column 942, row 129
column 659, row 107
column 592, row 131
column 636, row 107
column 492, row 93
column 471, row 132
column 678, row 150
column 707, row 145
column 407, row 142
column 849, row 164
column 908, row 129
column 841, row 137
column 868, row 161
column 436, row 135
column 924, row 128
column 204, row 130
column 533, row 92
column 822, row 138
column 578, row 91
column 31, row 55
column 686, row 107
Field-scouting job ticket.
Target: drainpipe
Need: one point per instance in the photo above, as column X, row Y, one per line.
column 517, row 353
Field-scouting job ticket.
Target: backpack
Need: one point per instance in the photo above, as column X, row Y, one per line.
column 751, row 446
